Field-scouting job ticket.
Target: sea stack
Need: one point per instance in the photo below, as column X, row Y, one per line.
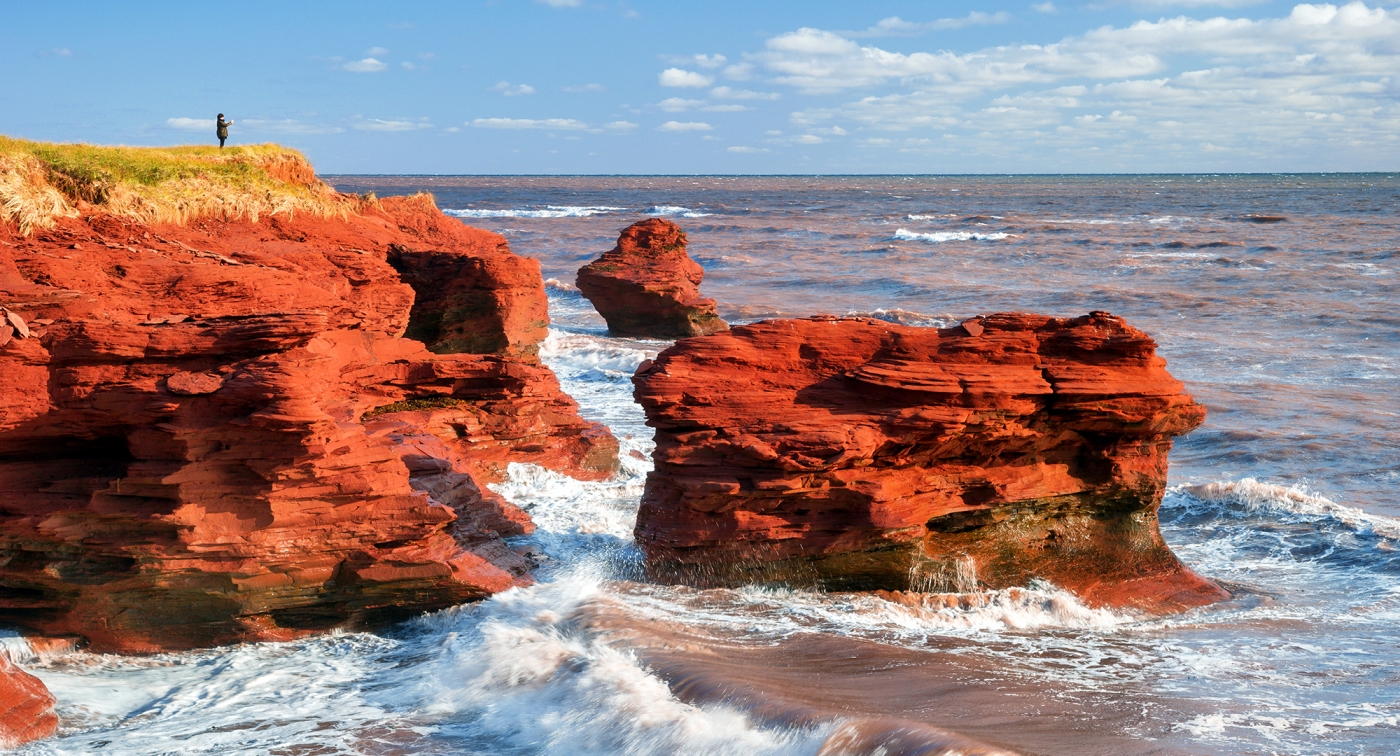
column 648, row 286
column 858, row 454
column 212, row 429
column 26, row 706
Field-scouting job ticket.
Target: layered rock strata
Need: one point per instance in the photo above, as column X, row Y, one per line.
column 216, row 432
column 648, row 286
column 858, row 454
column 26, row 706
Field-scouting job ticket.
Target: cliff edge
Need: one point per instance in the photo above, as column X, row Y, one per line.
column 212, row 426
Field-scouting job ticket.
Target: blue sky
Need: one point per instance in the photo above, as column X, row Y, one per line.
column 578, row 86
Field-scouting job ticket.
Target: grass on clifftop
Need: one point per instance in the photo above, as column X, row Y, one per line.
column 42, row 181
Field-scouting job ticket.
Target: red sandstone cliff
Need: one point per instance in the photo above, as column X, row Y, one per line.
column 215, row 432
column 648, row 286
column 859, row 454
column 26, row 706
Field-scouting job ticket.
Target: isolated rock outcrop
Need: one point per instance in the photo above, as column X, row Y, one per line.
column 26, row 706
column 216, row 432
column 648, row 286
column 858, row 454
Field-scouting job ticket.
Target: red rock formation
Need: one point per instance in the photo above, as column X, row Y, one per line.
column 26, row 706
column 859, row 454
column 648, row 286
column 216, row 433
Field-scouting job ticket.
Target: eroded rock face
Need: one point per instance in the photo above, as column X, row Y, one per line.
column 648, row 286
column 26, row 706
column 217, row 433
column 858, row 454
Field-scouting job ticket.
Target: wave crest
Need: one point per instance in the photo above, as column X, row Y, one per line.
column 938, row 237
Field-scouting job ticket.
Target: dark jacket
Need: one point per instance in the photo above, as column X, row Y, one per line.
column 222, row 132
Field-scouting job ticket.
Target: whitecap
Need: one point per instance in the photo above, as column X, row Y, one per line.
column 525, row 672
column 905, row 317
column 1248, row 495
column 549, row 211
column 675, row 210
column 944, row 236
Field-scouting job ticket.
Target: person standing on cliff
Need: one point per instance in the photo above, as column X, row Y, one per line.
column 222, row 130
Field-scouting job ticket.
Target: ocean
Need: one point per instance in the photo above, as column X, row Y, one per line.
column 1275, row 298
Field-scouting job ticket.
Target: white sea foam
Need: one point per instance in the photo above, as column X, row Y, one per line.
column 548, row 211
column 1251, row 496
column 905, row 317
column 945, row 236
column 22, row 650
column 579, row 349
column 554, row 283
column 677, row 211
column 531, row 676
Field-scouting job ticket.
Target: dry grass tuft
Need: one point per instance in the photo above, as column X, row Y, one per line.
column 26, row 197
column 42, row 181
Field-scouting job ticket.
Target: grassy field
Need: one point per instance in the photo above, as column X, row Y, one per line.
column 43, row 181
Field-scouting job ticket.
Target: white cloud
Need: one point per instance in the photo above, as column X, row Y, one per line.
column 190, row 124
column 1320, row 80
column 584, row 88
column 367, row 65
column 821, row 61
column 556, row 124
column 678, row 104
column 1045, row 8
column 620, row 125
column 739, row 72
column 379, row 124
column 748, row 150
column 562, row 3
column 703, row 61
column 896, row 26
column 727, row 93
column 676, row 77
column 681, row 104
column 512, row 90
column 808, row 139
column 377, row 52
column 61, row 52
column 685, row 126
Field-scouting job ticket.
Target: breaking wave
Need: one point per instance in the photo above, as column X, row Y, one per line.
column 1286, row 503
column 548, row 211
column 937, row 237
column 676, row 211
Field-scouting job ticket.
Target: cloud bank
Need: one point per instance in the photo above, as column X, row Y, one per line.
column 1321, row 75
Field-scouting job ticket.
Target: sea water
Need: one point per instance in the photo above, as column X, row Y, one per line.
column 1273, row 297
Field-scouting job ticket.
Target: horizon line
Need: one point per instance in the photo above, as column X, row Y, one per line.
column 848, row 175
